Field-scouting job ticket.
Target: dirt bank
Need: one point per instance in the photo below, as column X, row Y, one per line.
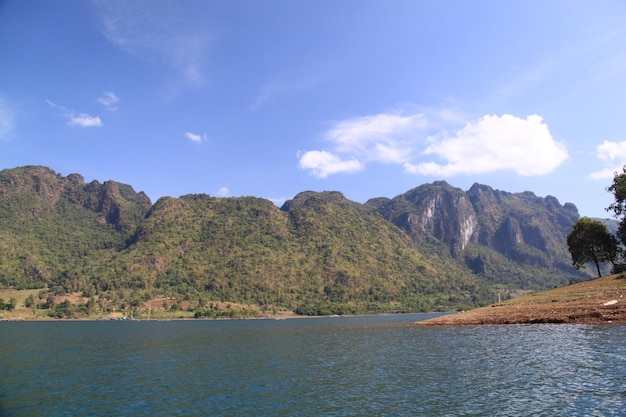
column 596, row 301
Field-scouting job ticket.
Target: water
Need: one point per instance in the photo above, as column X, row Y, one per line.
column 359, row 366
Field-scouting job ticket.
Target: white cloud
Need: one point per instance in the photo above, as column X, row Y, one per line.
column 195, row 137
column 420, row 143
column 76, row 119
column 613, row 154
column 322, row 164
column 382, row 137
column 611, row 151
column 494, row 143
column 109, row 100
column 223, row 192
column 7, row 118
column 156, row 32
column 606, row 173
column 84, row 120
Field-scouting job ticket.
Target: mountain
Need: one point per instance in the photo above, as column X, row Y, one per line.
column 516, row 240
column 433, row 247
column 51, row 227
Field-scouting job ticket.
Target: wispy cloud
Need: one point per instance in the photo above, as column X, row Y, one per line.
column 109, row 100
column 386, row 138
column 7, row 118
column 421, row 144
column 613, row 155
column 194, row 137
column 76, row 119
column 383, row 137
column 599, row 56
column 274, row 91
column 268, row 93
column 155, row 32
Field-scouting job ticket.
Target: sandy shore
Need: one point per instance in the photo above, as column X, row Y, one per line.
column 596, row 301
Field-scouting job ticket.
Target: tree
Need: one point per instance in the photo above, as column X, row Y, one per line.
column 618, row 189
column 10, row 306
column 591, row 241
column 29, row 301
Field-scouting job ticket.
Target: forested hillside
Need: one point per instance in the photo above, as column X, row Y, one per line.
column 434, row 247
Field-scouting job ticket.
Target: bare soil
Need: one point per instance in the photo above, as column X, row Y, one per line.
column 599, row 300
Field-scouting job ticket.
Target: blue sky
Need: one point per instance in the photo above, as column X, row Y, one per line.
column 269, row 98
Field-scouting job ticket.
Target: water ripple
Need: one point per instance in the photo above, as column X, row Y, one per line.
column 314, row 367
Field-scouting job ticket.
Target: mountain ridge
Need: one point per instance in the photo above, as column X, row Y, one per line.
column 432, row 247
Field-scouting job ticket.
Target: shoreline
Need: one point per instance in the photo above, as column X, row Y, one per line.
column 596, row 301
column 600, row 300
column 277, row 317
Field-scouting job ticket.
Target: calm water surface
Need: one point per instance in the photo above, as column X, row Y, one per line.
column 358, row 366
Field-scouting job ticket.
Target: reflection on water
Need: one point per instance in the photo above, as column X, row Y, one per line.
column 362, row 366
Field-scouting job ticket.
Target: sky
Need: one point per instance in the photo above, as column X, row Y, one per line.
column 269, row 98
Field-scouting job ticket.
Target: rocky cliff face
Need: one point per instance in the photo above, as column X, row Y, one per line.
column 523, row 227
column 118, row 204
column 435, row 211
column 521, row 224
column 39, row 188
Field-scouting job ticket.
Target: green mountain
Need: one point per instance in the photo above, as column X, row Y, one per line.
column 53, row 228
column 434, row 247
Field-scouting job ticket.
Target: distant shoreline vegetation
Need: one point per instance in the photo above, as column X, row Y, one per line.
column 39, row 305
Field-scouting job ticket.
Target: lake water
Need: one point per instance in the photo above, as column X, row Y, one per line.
column 348, row 366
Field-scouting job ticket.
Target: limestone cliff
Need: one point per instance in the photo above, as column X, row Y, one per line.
column 516, row 227
column 437, row 211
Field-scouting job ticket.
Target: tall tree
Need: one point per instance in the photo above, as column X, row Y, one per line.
column 618, row 189
column 591, row 241
column 618, row 207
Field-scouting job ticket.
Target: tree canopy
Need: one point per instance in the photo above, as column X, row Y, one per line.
column 618, row 189
column 591, row 241
column 618, row 207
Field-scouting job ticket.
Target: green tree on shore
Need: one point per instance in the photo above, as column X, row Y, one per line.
column 10, row 306
column 591, row 241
